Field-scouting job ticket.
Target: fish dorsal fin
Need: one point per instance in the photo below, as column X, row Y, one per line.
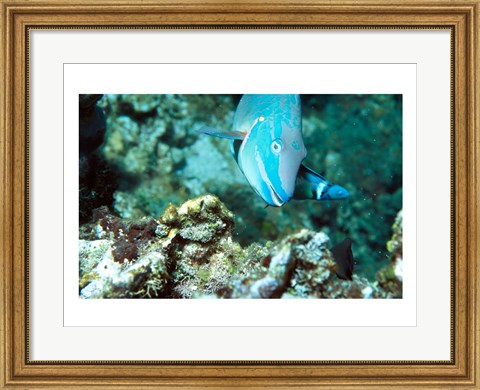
column 233, row 135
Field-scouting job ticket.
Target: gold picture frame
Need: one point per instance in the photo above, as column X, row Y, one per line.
column 19, row 17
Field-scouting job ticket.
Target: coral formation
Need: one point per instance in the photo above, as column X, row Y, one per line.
column 390, row 277
column 189, row 252
column 151, row 141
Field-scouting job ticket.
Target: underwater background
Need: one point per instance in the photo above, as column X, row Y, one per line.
column 141, row 153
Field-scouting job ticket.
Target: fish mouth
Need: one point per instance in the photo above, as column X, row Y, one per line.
column 277, row 200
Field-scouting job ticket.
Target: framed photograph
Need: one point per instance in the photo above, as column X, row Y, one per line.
column 239, row 195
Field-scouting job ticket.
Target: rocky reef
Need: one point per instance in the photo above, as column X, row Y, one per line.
column 152, row 143
column 190, row 252
column 390, row 277
column 143, row 152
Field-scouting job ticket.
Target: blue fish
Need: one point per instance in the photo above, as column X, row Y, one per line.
column 267, row 144
column 311, row 185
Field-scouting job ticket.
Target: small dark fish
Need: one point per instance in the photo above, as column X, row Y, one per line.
column 343, row 256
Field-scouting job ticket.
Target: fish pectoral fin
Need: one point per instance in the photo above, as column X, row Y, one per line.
column 222, row 134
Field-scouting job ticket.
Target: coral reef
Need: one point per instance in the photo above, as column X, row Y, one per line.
column 390, row 277
column 152, row 155
column 301, row 266
column 189, row 252
column 152, row 142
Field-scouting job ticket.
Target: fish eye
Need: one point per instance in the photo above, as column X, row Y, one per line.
column 276, row 145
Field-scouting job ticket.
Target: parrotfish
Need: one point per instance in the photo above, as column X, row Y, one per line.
column 267, row 143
